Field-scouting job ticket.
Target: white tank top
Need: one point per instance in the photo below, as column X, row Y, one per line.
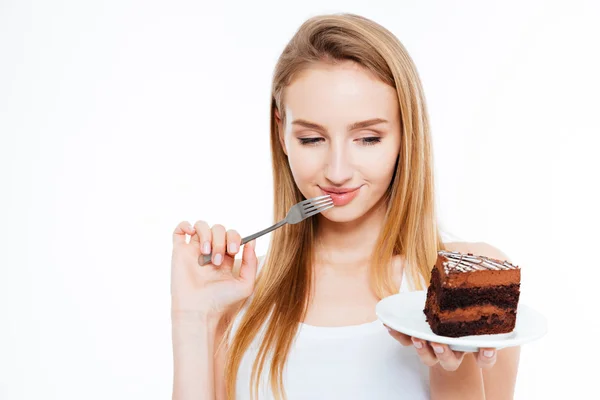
column 358, row 362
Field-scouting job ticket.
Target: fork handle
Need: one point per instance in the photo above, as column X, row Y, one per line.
column 205, row 258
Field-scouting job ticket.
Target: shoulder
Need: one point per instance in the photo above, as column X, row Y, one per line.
column 478, row 248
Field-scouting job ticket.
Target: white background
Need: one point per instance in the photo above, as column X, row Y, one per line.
column 119, row 119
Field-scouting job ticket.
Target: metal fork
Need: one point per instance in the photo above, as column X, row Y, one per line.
column 297, row 213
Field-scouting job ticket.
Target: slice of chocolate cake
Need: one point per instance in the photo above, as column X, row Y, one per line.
column 472, row 295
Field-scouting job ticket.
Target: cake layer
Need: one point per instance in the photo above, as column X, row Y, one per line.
column 466, row 270
column 506, row 296
column 467, row 314
column 482, row 326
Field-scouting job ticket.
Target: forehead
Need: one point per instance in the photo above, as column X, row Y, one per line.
column 344, row 91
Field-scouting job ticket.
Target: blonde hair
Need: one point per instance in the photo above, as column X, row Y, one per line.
column 282, row 288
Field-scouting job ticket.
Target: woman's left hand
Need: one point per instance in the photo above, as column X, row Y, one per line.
column 432, row 353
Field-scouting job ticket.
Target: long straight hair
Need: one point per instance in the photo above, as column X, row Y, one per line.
column 282, row 289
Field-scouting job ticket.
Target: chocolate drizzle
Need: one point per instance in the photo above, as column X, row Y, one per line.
column 458, row 262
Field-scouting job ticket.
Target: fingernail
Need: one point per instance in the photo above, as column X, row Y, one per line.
column 218, row 259
column 206, row 247
column 438, row 349
column 417, row 344
column 489, row 353
column 232, row 247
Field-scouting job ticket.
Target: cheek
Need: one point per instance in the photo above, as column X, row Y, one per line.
column 378, row 167
column 304, row 167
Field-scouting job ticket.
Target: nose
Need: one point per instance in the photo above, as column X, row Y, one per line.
column 339, row 167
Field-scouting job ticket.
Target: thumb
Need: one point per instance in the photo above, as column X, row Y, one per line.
column 249, row 262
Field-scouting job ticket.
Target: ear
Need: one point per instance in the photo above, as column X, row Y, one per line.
column 280, row 130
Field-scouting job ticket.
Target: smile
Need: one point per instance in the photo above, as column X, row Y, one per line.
column 342, row 196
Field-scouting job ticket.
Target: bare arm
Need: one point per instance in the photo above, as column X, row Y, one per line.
column 220, row 358
column 500, row 380
column 465, row 383
column 193, row 356
column 199, row 361
column 470, row 381
column 200, row 298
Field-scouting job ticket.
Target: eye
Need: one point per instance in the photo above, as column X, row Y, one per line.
column 369, row 141
column 309, row 141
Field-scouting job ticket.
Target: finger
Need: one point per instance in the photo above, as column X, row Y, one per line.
column 425, row 352
column 203, row 237
column 401, row 337
column 486, row 358
column 218, row 244
column 249, row 263
column 233, row 240
column 449, row 360
column 181, row 230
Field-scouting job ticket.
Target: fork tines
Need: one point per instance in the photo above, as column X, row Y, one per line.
column 317, row 203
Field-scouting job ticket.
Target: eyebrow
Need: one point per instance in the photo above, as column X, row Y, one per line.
column 355, row 125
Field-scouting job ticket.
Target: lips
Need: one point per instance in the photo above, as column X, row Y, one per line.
column 343, row 198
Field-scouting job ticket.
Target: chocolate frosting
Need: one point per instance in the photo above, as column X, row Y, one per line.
column 472, row 313
column 469, row 270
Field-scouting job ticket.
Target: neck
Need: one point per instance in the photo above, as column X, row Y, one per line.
column 349, row 244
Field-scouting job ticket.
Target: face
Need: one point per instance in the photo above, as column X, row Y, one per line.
column 341, row 134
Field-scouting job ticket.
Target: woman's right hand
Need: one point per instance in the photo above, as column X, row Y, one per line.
column 214, row 288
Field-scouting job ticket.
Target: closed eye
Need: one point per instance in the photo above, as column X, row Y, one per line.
column 309, row 141
column 367, row 141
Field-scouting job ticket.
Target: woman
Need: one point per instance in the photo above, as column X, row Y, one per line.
column 348, row 114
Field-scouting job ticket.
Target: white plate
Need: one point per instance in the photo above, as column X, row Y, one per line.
column 404, row 313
